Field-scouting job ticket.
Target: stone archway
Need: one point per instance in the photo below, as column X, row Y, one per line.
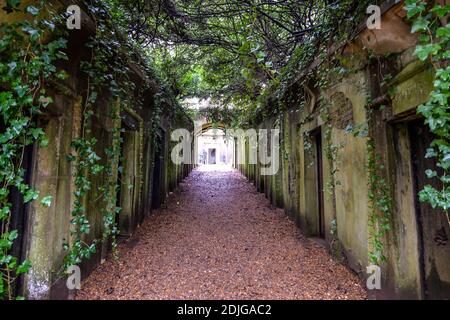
column 212, row 144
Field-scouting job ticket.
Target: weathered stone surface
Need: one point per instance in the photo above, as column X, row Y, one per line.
column 413, row 91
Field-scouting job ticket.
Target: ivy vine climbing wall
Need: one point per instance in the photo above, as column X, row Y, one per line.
column 27, row 64
column 432, row 25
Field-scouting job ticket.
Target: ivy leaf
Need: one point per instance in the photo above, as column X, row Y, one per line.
column 24, row 267
column 12, row 66
column 420, row 24
column 85, row 228
column 45, row 101
column 62, row 75
column 34, row 33
column 93, row 97
column 424, row 51
column 21, row 90
column 446, row 158
column 36, row 133
column 430, row 195
column 33, row 10
column 96, row 169
column 12, row 263
column 44, row 142
column 49, row 24
column 47, row 201
column 4, row 212
column 441, row 11
column 431, row 153
column 430, row 173
column 13, row 235
column 2, row 286
column 30, row 195
column 445, row 179
column 443, row 32
column 414, row 7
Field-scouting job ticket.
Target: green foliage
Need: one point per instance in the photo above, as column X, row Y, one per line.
column 47, row 201
column 241, row 54
column 380, row 204
column 108, row 73
column 434, row 34
column 86, row 163
column 380, row 201
column 26, row 61
column 332, row 153
column 245, row 55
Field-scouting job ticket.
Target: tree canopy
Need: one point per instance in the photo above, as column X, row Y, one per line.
column 234, row 50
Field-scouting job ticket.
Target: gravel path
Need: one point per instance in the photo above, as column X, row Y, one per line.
column 218, row 238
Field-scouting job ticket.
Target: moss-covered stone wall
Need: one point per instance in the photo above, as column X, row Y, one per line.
column 372, row 100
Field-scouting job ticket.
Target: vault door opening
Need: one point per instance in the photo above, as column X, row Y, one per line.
column 19, row 214
column 433, row 229
column 317, row 138
column 158, row 170
column 212, row 156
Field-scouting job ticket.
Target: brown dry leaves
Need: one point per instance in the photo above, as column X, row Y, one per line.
column 219, row 239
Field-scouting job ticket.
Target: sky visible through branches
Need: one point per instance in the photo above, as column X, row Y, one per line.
column 234, row 51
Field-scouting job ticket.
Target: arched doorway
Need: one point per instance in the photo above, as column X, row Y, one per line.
column 213, row 145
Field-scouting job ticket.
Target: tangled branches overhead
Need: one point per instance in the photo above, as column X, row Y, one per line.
column 278, row 25
column 242, row 44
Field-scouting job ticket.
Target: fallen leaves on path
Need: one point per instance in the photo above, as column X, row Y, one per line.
column 218, row 238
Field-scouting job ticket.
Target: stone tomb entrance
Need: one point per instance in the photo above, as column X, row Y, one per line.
column 314, row 181
column 433, row 228
column 212, row 156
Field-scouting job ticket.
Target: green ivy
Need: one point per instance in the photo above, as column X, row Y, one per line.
column 380, row 205
column 379, row 195
column 26, row 63
column 431, row 23
column 108, row 74
column 86, row 162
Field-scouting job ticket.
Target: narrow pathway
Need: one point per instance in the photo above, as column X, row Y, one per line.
column 218, row 238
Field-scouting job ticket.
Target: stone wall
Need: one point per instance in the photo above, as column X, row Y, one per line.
column 380, row 89
column 142, row 188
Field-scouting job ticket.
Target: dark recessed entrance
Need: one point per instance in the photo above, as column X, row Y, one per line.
column 433, row 228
